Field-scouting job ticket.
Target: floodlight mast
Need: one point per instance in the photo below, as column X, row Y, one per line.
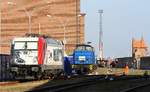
column 100, row 35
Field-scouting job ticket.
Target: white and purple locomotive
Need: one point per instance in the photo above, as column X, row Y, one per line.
column 36, row 57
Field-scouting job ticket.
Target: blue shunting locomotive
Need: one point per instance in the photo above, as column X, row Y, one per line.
column 83, row 59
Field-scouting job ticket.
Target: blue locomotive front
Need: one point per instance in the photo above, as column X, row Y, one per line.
column 83, row 58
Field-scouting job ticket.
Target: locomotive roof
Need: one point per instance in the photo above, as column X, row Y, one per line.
column 26, row 39
column 48, row 40
column 53, row 41
column 83, row 45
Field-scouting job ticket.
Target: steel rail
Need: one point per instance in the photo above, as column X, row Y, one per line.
column 88, row 81
column 135, row 88
column 56, row 88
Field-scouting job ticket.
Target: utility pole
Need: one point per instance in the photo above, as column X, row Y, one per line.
column 100, row 35
column 39, row 28
column 63, row 25
column 29, row 14
column 77, row 41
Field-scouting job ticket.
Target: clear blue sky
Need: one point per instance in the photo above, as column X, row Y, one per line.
column 122, row 20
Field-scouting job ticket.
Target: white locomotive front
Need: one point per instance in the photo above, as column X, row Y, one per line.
column 36, row 56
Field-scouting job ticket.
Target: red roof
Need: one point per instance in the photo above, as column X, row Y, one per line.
column 139, row 43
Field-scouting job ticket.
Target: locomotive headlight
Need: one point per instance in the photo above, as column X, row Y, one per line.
column 36, row 69
column 14, row 68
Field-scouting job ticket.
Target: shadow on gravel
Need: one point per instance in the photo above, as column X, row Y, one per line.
column 57, row 83
column 52, row 83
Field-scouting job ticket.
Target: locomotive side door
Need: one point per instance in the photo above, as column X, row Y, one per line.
column 49, row 55
column 54, row 55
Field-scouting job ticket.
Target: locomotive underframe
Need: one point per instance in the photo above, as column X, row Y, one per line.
column 36, row 71
column 84, row 68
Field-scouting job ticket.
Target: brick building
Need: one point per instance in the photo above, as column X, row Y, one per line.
column 59, row 19
column 139, row 49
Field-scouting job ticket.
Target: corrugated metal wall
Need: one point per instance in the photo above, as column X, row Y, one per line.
column 145, row 63
column 4, row 67
column 123, row 61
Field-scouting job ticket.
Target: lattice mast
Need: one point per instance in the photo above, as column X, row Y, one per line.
column 100, row 35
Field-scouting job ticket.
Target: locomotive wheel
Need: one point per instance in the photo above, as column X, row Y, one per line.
column 79, row 72
column 14, row 75
column 51, row 76
column 94, row 67
column 38, row 76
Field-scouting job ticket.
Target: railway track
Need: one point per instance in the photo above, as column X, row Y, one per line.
column 61, row 85
column 91, row 80
column 87, row 80
column 136, row 88
column 122, row 84
column 17, row 81
column 25, row 85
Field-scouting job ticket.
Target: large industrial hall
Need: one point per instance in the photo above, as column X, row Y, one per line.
column 58, row 19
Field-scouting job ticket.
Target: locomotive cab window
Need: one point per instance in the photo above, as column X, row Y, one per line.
column 32, row 45
column 21, row 45
column 57, row 55
column 84, row 47
column 89, row 48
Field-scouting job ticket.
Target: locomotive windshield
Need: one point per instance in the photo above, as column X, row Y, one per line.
column 22, row 45
column 84, row 47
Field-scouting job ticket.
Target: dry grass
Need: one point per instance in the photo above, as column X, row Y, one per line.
column 21, row 87
column 104, row 71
